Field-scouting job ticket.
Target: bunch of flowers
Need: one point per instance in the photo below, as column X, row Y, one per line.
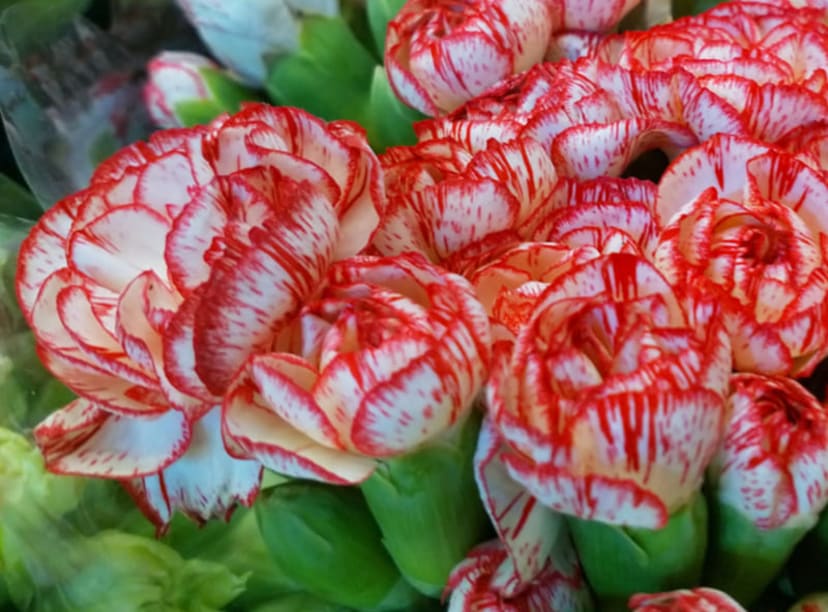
column 563, row 350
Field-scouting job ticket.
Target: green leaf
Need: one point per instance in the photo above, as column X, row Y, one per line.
column 104, row 504
column 621, row 561
column 24, row 481
column 29, row 24
column 380, row 12
column 389, row 122
column 330, row 75
column 226, row 95
column 31, row 502
column 742, row 559
column 324, row 538
column 683, row 8
column 104, row 145
column 807, row 569
column 299, row 601
column 237, row 545
column 428, row 507
column 229, row 93
column 17, row 206
column 355, row 15
column 197, row 112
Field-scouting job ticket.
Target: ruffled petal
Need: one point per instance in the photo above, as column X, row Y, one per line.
column 254, row 289
column 253, row 430
column 204, row 482
column 84, row 439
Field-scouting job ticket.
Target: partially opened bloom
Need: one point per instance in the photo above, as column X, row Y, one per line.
column 150, row 288
column 611, row 400
column 389, row 356
column 750, row 221
column 772, row 465
column 758, row 64
column 765, row 42
column 439, row 54
column 768, row 482
column 243, row 36
column 701, row 599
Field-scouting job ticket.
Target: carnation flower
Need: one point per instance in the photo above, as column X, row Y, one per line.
column 438, row 55
column 389, row 356
column 612, row 398
column 149, row 289
column 748, row 220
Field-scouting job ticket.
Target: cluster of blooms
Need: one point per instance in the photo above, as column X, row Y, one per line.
column 266, row 291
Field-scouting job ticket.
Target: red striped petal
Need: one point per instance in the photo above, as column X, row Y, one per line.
column 590, row 151
column 720, row 163
column 772, row 466
column 254, row 289
column 402, row 81
column 701, row 599
column 43, row 251
column 448, row 219
column 84, row 439
column 528, row 530
column 178, row 350
column 411, row 406
column 116, row 247
column 617, row 501
column 342, row 385
column 586, row 15
column 204, row 483
column 190, row 246
column 143, row 342
column 116, row 394
column 559, row 587
column 522, row 166
column 285, row 383
column 252, row 430
column 260, row 135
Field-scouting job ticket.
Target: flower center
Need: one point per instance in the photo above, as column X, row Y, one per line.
column 765, row 245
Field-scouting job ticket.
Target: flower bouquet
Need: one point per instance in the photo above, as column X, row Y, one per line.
column 502, row 305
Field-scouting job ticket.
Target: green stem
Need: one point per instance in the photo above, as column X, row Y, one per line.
column 621, row 561
column 428, row 508
column 743, row 559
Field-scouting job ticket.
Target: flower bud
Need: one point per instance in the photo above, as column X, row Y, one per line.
column 768, row 482
column 185, row 89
